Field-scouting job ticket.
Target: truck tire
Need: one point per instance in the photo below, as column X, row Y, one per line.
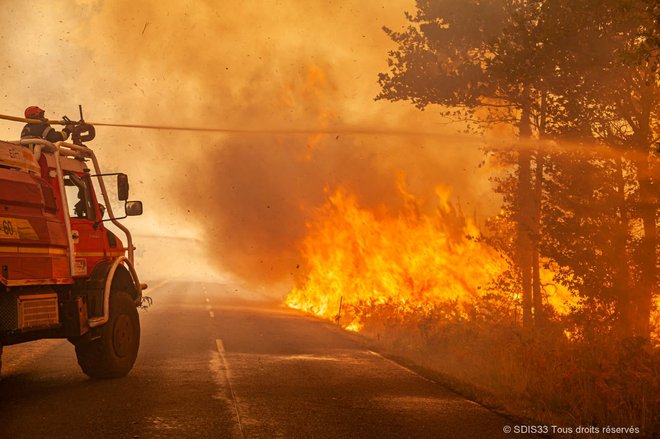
column 114, row 353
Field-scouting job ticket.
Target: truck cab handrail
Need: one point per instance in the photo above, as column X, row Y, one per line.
column 64, row 149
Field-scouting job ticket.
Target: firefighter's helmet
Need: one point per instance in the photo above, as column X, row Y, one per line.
column 34, row 112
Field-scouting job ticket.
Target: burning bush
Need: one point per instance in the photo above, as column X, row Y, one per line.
column 427, row 286
column 409, row 263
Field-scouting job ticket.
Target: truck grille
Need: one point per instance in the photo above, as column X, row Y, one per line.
column 38, row 311
column 8, row 312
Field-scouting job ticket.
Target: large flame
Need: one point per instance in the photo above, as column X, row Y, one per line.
column 408, row 260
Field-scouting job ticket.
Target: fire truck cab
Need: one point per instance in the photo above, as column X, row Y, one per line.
column 63, row 274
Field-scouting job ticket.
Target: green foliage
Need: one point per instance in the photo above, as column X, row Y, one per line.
column 583, row 224
column 441, row 56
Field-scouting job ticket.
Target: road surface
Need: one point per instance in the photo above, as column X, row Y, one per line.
column 212, row 366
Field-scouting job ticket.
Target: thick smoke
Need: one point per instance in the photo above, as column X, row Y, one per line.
column 255, row 65
column 255, row 195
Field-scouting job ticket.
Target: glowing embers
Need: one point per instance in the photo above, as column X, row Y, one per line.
column 407, row 262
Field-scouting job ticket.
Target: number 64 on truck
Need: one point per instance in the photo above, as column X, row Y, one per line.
column 63, row 273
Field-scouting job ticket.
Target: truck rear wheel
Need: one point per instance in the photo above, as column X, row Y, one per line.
column 114, row 353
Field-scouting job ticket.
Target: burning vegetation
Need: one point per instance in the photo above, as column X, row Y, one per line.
column 554, row 308
column 407, row 261
column 550, row 305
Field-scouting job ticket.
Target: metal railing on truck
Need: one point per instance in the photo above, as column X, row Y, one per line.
column 64, row 149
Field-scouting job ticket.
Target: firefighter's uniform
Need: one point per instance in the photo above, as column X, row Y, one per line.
column 44, row 131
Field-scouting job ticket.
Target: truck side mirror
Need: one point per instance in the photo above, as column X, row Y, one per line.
column 122, row 187
column 133, row 208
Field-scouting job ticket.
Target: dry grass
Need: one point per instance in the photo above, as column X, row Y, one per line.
column 544, row 376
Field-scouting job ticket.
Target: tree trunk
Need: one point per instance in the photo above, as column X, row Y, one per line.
column 524, row 239
column 624, row 292
column 537, row 293
column 648, row 202
column 537, row 289
column 647, row 209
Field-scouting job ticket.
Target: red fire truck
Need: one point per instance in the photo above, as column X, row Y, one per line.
column 63, row 273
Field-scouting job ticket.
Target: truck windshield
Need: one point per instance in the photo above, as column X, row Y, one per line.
column 79, row 197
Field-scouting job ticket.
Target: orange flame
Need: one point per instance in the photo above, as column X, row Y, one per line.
column 409, row 260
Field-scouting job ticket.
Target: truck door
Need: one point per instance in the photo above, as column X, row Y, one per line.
column 87, row 235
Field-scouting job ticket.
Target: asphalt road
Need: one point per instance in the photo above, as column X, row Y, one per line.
column 214, row 366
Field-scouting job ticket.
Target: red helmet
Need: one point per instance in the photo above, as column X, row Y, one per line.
column 34, row 113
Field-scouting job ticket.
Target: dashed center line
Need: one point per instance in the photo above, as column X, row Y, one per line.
column 221, row 351
column 208, row 305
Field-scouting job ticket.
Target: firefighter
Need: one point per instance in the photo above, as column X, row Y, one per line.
column 80, row 208
column 43, row 130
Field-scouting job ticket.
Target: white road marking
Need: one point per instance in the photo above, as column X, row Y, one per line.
column 221, row 351
column 208, row 306
column 400, row 366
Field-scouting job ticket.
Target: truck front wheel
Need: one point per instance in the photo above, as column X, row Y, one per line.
column 114, row 353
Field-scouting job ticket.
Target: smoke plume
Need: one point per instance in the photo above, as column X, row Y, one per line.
column 266, row 65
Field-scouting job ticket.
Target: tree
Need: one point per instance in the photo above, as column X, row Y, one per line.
column 613, row 48
column 578, row 72
column 634, row 82
column 486, row 61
